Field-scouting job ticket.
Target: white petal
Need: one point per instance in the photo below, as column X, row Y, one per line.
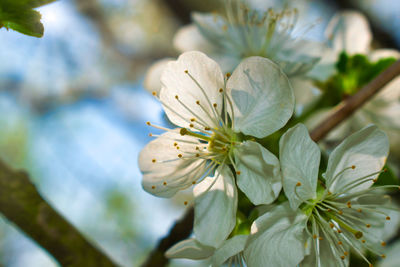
column 208, row 79
column 190, row 249
column 263, row 98
column 152, row 80
column 326, row 257
column 366, row 149
column 305, row 92
column 349, row 31
column 260, row 177
column 299, row 56
column 392, row 256
column 215, row 207
column 189, row 38
column 277, row 238
column 300, row 158
column 211, row 26
column 169, row 173
column 229, row 248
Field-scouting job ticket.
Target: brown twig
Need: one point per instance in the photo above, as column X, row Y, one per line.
column 181, row 230
column 347, row 107
column 22, row 205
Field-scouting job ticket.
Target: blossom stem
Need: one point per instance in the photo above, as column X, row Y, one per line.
column 350, row 105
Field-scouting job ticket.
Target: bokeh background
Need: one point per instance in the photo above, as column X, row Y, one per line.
column 73, row 112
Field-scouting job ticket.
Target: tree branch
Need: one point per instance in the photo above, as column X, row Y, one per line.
column 343, row 111
column 22, row 205
column 181, row 230
column 349, row 106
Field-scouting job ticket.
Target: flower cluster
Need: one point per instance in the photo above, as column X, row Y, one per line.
column 237, row 143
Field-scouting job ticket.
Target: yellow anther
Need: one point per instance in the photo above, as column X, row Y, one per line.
column 383, row 243
column 345, row 253
column 383, row 256
column 207, row 128
column 340, row 212
column 215, row 105
column 342, row 257
column 183, row 131
column 358, row 235
column 197, row 155
column 185, row 203
column 315, row 236
column 221, row 90
column 154, row 93
column 349, row 204
column 198, row 102
column 175, row 144
column 176, row 97
column 148, row 123
column 178, row 147
column 150, row 134
column 359, row 210
column 197, row 148
column 298, row 184
column 238, row 172
column 193, row 119
column 179, row 155
column 363, row 241
column 320, row 238
column 153, row 187
column 228, row 74
column 194, row 182
column 153, row 160
column 331, row 225
column 353, row 167
column 339, row 231
column 191, row 125
column 387, row 218
column 186, row 71
column 165, row 183
column 340, row 243
column 368, row 225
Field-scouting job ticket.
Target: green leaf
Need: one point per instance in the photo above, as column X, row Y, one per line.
column 20, row 16
column 387, row 178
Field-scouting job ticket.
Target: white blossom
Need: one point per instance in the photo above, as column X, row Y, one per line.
column 214, row 113
column 324, row 219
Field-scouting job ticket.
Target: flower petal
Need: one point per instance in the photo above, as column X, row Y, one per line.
column 190, row 249
column 263, row 99
column 152, row 80
column 326, row 257
column 189, row 38
column 215, row 207
column 300, row 158
column 278, row 238
column 229, row 248
column 260, row 176
column 164, row 173
column 349, row 31
column 367, row 150
column 180, row 92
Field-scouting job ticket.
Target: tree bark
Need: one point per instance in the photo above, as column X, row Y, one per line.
column 22, row 205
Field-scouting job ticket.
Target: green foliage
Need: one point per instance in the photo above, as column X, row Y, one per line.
column 20, row 16
column 387, row 178
column 352, row 73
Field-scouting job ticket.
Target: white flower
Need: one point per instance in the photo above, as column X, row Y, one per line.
column 246, row 32
column 326, row 217
column 349, row 32
column 230, row 251
column 213, row 114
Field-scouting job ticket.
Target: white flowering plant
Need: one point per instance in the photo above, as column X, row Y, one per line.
column 240, row 138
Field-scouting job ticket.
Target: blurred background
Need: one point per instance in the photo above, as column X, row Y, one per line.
column 73, row 113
